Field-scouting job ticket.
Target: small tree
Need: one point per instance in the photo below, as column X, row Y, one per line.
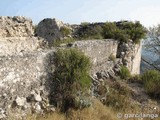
column 134, row 30
column 71, row 75
column 111, row 31
column 152, row 45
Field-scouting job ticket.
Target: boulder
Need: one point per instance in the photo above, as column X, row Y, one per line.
column 20, row 101
column 50, row 30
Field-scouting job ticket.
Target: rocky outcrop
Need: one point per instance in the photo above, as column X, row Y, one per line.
column 16, row 27
column 50, row 30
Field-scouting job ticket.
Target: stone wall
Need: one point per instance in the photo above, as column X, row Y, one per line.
column 136, row 60
column 131, row 56
column 99, row 52
column 16, row 45
column 25, row 81
column 26, row 76
column 16, row 27
column 25, row 69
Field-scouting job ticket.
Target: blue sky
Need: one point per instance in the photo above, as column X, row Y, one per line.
column 77, row 11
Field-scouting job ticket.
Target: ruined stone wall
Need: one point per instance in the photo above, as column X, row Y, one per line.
column 130, row 54
column 99, row 52
column 17, row 26
column 25, row 83
column 16, row 45
column 136, row 61
column 26, row 68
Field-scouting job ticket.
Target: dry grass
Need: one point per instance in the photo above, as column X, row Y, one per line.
column 53, row 116
column 97, row 112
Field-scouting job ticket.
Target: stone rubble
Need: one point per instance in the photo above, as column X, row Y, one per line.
column 20, row 101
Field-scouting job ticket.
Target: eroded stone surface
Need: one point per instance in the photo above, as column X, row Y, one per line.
column 50, row 30
column 17, row 26
column 99, row 52
column 18, row 45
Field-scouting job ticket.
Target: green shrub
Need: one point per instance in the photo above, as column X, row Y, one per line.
column 122, row 31
column 57, row 43
column 90, row 31
column 151, row 81
column 124, row 73
column 121, row 36
column 65, row 31
column 134, row 30
column 111, row 31
column 71, row 76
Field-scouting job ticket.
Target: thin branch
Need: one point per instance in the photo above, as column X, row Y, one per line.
column 151, row 64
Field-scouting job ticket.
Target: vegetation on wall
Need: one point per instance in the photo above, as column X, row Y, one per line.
column 111, row 31
column 90, row 31
column 58, row 43
column 124, row 73
column 122, row 31
column 134, row 30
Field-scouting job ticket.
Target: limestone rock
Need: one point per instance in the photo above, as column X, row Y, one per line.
column 20, row 101
column 111, row 74
column 37, row 107
column 2, row 114
column 16, row 26
column 50, row 30
column 38, row 98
